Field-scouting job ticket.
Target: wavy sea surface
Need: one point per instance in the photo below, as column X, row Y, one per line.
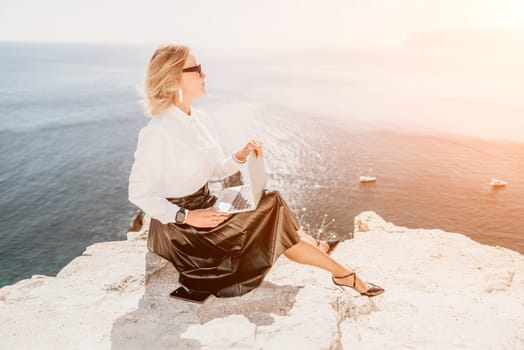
column 434, row 127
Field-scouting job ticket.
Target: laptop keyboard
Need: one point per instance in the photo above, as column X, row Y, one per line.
column 243, row 199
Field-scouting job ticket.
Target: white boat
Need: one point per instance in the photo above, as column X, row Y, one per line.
column 498, row 183
column 367, row 179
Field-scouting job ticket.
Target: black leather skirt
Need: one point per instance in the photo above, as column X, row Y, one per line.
column 232, row 258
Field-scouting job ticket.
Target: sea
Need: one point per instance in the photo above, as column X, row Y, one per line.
column 434, row 126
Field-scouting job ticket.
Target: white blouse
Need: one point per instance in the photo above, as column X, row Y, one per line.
column 175, row 156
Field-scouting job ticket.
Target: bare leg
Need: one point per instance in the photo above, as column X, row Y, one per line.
column 307, row 237
column 304, row 253
column 323, row 246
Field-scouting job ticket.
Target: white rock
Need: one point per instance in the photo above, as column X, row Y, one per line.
column 231, row 332
column 443, row 290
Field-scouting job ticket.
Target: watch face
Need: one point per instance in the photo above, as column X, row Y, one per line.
column 180, row 216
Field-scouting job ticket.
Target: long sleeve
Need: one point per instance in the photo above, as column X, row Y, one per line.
column 225, row 166
column 145, row 176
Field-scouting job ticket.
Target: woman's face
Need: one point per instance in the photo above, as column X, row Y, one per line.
column 193, row 83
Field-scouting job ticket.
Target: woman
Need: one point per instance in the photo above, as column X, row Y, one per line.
column 215, row 253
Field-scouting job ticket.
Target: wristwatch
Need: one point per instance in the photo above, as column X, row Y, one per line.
column 181, row 216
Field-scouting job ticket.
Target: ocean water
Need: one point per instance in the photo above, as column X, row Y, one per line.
column 433, row 126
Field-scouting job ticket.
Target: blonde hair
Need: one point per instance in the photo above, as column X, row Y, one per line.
column 163, row 76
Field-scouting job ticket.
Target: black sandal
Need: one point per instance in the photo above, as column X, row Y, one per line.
column 371, row 292
column 332, row 245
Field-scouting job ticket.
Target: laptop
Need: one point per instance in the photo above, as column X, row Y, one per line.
column 243, row 198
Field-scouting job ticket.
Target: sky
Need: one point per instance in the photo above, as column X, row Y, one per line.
column 241, row 23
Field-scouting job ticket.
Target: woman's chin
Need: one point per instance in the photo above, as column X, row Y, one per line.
column 200, row 94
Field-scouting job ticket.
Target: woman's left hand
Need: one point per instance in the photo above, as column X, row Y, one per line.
column 252, row 146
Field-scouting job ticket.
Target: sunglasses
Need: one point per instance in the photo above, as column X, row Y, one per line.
column 193, row 69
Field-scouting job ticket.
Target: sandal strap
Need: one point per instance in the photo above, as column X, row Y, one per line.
column 351, row 273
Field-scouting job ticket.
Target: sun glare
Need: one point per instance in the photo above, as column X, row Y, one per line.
column 510, row 16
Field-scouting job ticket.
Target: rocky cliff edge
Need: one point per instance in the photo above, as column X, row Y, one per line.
column 443, row 291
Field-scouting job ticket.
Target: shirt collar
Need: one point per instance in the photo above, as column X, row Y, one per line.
column 173, row 112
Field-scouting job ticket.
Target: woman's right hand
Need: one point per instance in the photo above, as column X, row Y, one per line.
column 205, row 217
column 252, row 146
